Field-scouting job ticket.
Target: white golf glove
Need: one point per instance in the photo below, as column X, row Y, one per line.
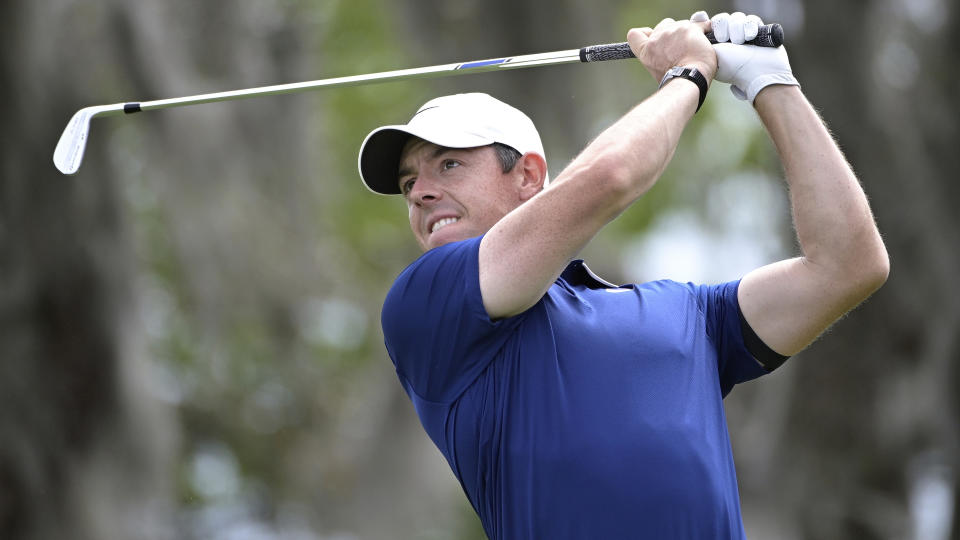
column 747, row 68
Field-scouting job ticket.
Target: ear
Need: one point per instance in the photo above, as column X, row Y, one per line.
column 532, row 171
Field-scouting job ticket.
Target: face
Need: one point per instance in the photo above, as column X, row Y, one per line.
column 454, row 193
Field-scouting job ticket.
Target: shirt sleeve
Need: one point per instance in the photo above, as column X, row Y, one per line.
column 435, row 327
column 735, row 364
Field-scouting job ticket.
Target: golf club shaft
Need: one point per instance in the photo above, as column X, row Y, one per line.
column 70, row 148
column 516, row 62
column 594, row 53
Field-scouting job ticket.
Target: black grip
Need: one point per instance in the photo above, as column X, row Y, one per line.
column 610, row 51
column 768, row 35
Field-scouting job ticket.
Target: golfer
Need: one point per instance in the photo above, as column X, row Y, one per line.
column 566, row 406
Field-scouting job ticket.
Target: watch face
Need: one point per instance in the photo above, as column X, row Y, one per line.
column 691, row 74
column 675, row 71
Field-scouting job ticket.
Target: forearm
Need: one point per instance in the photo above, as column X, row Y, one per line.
column 522, row 255
column 633, row 153
column 525, row 252
column 832, row 217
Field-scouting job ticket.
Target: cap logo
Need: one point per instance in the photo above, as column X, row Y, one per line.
column 425, row 109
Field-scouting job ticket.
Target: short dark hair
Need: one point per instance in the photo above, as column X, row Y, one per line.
column 507, row 155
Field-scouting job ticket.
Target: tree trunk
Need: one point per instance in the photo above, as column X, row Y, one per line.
column 874, row 407
column 83, row 453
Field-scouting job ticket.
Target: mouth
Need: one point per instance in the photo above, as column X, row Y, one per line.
column 443, row 222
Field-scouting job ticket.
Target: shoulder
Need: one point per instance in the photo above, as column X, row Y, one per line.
column 438, row 263
column 700, row 293
column 707, row 296
column 716, row 303
column 442, row 280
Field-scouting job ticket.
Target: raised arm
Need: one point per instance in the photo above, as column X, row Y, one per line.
column 522, row 255
column 789, row 303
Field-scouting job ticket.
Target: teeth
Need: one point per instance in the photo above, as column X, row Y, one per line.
column 443, row 223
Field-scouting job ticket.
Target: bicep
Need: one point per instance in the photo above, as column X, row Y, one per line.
column 791, row 302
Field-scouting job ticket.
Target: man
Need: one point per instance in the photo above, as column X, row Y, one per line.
column 568, row 407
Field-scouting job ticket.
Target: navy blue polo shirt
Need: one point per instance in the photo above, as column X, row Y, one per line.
column 596, row 413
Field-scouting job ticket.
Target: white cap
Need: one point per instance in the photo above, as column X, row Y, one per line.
column 457, row 121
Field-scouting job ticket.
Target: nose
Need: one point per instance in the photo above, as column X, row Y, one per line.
column 424, row 191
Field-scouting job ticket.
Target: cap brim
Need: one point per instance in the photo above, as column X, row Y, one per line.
column 380, row 152
column 380, row 159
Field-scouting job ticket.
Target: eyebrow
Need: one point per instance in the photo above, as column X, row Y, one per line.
column 404, row 171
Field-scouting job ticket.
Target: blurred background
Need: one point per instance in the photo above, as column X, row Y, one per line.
column 190, row 343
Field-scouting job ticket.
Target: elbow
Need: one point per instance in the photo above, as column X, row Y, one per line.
column 625, row 179
column 859, row 273
column 617, row 179
column 612, row 182
column 872, row 269
column 880, row 269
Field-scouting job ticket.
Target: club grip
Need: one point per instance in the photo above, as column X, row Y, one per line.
column 609, row 51
column 768, row 35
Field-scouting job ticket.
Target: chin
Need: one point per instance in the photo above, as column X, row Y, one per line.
column 442, row 238
column 437, row 243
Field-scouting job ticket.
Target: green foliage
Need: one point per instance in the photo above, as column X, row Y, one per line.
column 362, row 40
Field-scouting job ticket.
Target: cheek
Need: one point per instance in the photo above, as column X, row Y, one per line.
column 412, row 216
column 507, row 198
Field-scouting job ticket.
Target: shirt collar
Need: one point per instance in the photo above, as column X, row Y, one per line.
column 577, row 273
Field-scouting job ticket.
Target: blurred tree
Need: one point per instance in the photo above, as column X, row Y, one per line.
column 257, row 263
column 872, row 419
column 84, row 451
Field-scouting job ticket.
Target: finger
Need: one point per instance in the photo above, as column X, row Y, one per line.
column 665, row 22
column 735, row 27
column 637, row 37
column 700, row 16
column 704, row 26
column 641, row 34
column 720, row 23
column 752, row 27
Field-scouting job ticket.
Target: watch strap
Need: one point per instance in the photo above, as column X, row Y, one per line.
column 691, row 74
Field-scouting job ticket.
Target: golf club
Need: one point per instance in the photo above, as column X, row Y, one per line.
column 69, row 151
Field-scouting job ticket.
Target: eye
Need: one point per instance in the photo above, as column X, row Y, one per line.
column 450, row 163
column 407, row 185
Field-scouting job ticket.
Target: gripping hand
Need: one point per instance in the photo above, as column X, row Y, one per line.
column 747, row 68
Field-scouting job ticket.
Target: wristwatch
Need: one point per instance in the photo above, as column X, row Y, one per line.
column 689, row 73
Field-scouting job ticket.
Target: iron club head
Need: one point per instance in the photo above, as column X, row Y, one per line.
column 69, row 151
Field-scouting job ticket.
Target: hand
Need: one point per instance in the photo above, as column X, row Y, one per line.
column 747, row 68
column 672, row 43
